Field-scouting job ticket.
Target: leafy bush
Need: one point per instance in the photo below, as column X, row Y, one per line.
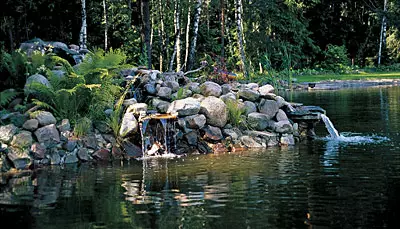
column 235, row 112
column 336, row 58
column 99, row 59
column 7, row 96
column 82, row 127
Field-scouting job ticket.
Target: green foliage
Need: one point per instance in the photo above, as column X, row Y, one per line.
column 53, row 60
column 335, row 58
column 393, row 45
column 82, row 127
column 99, row 59
column 7, row 96
column 235, row 113
column 15, row 68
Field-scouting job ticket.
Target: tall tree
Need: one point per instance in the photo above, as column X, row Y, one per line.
column 238, row 13
column 83, row 33
column 177, row 45
column 222, row 19
column 195, row 33
column 105, row 25
column 145, row 10
column 382, row 39
column 187, row 33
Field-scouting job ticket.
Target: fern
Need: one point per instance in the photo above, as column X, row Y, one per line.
column 235, row 113
column 53, row 60
column 7, row 96
column 100, row 59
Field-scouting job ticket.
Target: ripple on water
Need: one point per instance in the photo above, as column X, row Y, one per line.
column 357, row 138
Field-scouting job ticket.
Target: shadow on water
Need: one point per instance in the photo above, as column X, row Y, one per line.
column 326, row 183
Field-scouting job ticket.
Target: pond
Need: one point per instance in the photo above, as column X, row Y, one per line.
column 353, row 182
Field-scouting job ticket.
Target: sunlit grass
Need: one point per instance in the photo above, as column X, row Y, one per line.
column 358, row 76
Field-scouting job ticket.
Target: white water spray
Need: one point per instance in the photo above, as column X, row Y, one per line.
column 329, row 126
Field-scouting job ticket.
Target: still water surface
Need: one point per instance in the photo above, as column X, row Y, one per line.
column 352, row 183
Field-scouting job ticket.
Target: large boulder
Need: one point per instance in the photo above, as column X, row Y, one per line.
column 129, row 125
column 48, row 134
column 281, row 116
column 45, row 118
column 250, row 142
column 266, row 89
column 164, row 92
column 268, row 107
column 22, row 140
column 195, row 121
column 31, row 124
column 282, row 127
column 38, row 150
column 258, row 121
column 249, row 107
column 184, row 107
column 137, row 108
column 7, row 132
column 19, row 157
column 215, row 111
column 35, row 79
column 210, row 89
column 212, row 133
column 249, row 94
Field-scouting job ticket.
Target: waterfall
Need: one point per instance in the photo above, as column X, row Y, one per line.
column 329, row 126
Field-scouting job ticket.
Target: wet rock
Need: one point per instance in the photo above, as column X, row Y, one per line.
column 191, row 138
column 5, row 166
column 38, row 150
column 287, row 139
column 249, row 94
column 102, row 155
column 226, row 88
column 210, row 89
column 150, row 88
column 31, row 125
column 267, row 138
column 109, row 138
column 71, row 158
column 184, row 107
column 232, row 134
column 215, row 111
column 270, row 96
column 266, row 89
column 90, row 141
column 22, row 140
column 280, row 101
column 65, row 125
column 8, row 131
column 212, row 133
column 250, row 142
column 83, row 154
column 132, row 150
column 54, row 157
column 204, row 148
column 128, row 102
column 194, row 87
column 268, row 107
column 195, row 121
column 129, row 125
column 137, row 108
column 281, row 116
column 70, row 145
column 283, row 127
column 173, row 85
column 163, row 106
column 45, row 118
column 19, row 157
column 48, row 134
column 103, row 127
column 116, row 152
column 258, row 121
column 164, row 92
column 249, row 107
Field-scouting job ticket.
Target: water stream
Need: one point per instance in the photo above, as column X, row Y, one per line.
column 329, row 126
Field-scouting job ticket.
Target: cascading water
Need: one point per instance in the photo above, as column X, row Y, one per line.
column 329, row 126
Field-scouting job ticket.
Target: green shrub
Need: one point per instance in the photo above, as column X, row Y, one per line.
column 7, row 96
column 82, row 127
column 336, row 58
column 235, row 112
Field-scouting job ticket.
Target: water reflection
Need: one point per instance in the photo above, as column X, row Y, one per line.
column 325, row 183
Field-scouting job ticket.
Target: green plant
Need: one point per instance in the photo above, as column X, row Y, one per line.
column 235, row 112
column 335, row 58
column 99, row 59
column 7, row 96
column 82, row 127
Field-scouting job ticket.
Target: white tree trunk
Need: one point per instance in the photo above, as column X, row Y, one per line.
column 187, row 35
column 162, row 35
column 105, row 25
column 195, row 32
column 382, row 40
column 83, row 32
column 178, row 36
column 238, row 6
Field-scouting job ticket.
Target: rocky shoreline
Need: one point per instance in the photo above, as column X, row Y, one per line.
column 342, row 84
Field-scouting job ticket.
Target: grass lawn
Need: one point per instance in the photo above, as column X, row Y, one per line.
column 359, row 76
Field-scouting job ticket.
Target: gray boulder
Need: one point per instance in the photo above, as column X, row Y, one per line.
column 19, row 157
column 164, row 92
column 249, row 94
column 195, row 121
column 65, row 125
column 266, row 89
column 184, row 107
column 250, row 142
column 31, row 125
column 287, row 139
column 45, row 118
column 215, row 111
column 48, row 134
column 212, row 133
column 281, row 116
column 128, row 102
column 258, row 121
column 35, row 79
column 249, row 107
column 268, row 107
column 226, row 88
column 38, row 150
column 210, row 89
column 129, row 125
column 22, row 140
column 8, row 131
column 282, row 127
column 137, row 108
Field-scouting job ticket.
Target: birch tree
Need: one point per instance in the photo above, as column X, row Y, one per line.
column 382, row 39
column 195, row 33
column 105, row 24
column 238, row 14
column 83, row 32
column 177, row 48
column 187, row 33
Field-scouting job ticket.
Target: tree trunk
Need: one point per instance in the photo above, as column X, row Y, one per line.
column 222, row 5
column 105, row 25
column 162, row 35
column 238, row 6
column 176, row 51
column 145, row 9
column 195, row 32
column 187, row 35
column 83, row 33
column 382, row 40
